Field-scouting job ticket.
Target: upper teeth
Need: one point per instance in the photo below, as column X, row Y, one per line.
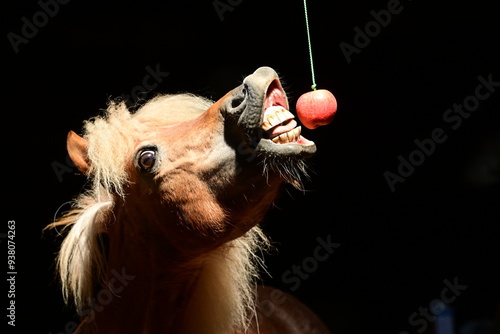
column 275, row 115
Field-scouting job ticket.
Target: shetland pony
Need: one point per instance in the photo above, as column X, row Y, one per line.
column 165, row 238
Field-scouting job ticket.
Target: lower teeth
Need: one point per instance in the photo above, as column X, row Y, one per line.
column 287, row 137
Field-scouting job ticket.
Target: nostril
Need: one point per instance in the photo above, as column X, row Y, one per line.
column 237, row 101
column 236, row 105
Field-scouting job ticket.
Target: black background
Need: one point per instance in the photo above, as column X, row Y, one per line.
column 397, row 247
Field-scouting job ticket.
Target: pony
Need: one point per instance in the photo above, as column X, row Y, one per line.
column 165, row 236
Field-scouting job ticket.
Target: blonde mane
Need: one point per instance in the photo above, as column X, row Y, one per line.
column 224, row 297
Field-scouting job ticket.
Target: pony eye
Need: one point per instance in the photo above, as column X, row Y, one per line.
column 147, row 160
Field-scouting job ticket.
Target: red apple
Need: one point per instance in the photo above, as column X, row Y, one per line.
column 316, row 108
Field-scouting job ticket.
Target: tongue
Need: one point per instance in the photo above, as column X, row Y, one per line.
column 282, row 128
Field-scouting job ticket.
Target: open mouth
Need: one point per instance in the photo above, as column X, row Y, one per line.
column 278, row 122
column 263, row 112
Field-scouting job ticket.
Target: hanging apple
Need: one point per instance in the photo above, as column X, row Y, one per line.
column 316, row 108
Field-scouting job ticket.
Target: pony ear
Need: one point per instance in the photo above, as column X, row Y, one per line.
column 77, row 149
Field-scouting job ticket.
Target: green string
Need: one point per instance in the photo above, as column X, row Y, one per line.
column 310, row 49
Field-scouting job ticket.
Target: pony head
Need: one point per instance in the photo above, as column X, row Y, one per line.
column 207, row 172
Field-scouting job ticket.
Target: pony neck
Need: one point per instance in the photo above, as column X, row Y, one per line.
column 155, row 292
